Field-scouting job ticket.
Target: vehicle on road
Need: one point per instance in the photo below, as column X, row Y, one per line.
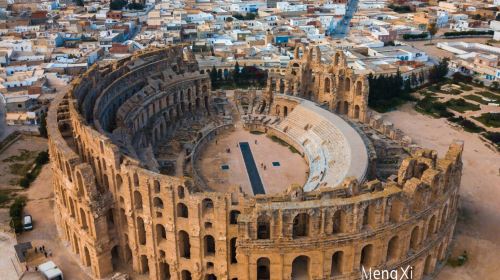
column 50, row 271
column 27, row 222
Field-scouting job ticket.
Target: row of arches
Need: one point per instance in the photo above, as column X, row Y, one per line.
column 340, row 222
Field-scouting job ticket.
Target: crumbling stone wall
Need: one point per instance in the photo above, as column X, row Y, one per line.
column 111, row 209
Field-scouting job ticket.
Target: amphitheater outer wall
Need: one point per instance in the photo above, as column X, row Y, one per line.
column 111, row 209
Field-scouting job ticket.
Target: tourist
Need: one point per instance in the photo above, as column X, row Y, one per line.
column 255, row 141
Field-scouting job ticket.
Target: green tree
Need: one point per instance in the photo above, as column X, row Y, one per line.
column 42, row 126
column 236, row 72
column 79, row 3
column 117, row 4
column 219, row 75
column 432, row 28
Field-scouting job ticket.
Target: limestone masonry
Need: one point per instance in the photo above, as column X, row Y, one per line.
column 124, row 142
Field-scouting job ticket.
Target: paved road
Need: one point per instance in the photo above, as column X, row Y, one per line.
column 342, row 27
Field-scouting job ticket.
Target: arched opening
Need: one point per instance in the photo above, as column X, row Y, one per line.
column 301, row 225
column 210, row 277
column 128, row 253
column 233, row 217
column 184, row 245
column 263, row 269
column 232, row 250
column 164, row 271
column 79, row 179
column 156, row 185
column 285, row 111
column 393, row 249
column 431, row 227
column 263, row 227
column 369, row 217
column 209, row 244
column 356, row 112
column 359, row 87
column 428, row 265
column 119, row 181
column 336, row 59
column 76, row 244
column 300, row 268
column 414, row 238
column 144, row 264
column 327, row 85
column 367, row 257
column 338, row 108
column 337, row 263
column 180, row 191
column 158, row 203
column 206, row 102
column 444, row 214
column 182, row 210
column 186, row 275
column 161, row 233
column 207, row 206
column 347, row 84
column 346, row 108
column 87, row 257
column 83, row 217
column 115, row 257
column 339, row 222
column 136, row 180
column 141, row 231
column 396, row 210
column 137, row 200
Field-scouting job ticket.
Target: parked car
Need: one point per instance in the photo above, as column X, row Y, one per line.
column 27, row 222
column 50, row 271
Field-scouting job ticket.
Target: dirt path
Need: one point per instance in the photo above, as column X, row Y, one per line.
column 478, row 228
column 41, row 206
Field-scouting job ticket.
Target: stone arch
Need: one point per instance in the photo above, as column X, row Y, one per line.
column 285, row 111
column 207, row 206
column 233, row 217
column 205, row 99
column 300, row 268
column 346, row 108
column 367, row 256
column 301, row 225
column 156, row 186
column 393, row 249
column 359, row 87
column 277, row 110
column 209, row 245
column 356, row 112
column 263, row 269
column 86, row 253
column 76, row 244
column 182, row 210
column 184, row 245
column 141, row 231
column 144, row 265
column 339, row 223
column 347, row 85
column 79, row 180
column 136, row 180
column 68, row 172
column 414, row 242
column 186, row 275
column 161, row 233
column 119, row 181
column 431, row 226
column 336, row 59
column 428, row 265
column 210, row 277
column 115, row 256
column 157, row 202
column 337, row 267
column 396, row 210
column 297, row 51
column 164, row 271
column 444, row 216
column 180, row 192
column 137, row 200
column 83, row 217
column 338, row 107
column 232, row 250
column 327, row 85
column 369, row 217
column 263, row 227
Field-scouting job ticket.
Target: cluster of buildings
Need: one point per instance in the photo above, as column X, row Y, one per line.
column 44, row 44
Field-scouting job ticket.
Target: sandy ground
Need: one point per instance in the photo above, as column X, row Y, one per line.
column 276, row 179
column 478, row 228
column 41, row 207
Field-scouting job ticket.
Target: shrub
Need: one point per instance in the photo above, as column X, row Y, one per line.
column 42, row 158
column 423, row 35
column 16, row 212
column 468, row 33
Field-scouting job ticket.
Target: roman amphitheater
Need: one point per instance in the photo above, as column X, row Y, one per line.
column 158, row 175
